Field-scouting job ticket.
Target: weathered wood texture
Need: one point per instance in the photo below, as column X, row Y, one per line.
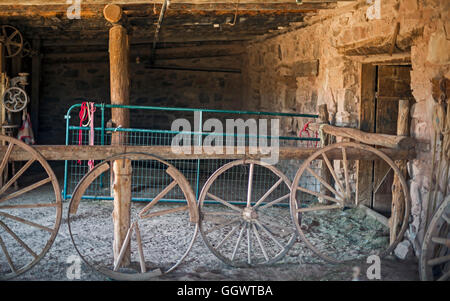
column 390, row 141
column 119, row 56
column 119, row 79
column 102, row 152
column 122, row 208
column 324, row 170
column 398, row 197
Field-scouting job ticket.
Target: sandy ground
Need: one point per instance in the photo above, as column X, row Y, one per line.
column 200, row 264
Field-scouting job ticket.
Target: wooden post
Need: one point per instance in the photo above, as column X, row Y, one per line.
column 119, row 85
column 325, row 172
column 35, row 84
column 398, row 198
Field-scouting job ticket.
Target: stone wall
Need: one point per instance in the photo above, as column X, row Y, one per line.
column 340, row 40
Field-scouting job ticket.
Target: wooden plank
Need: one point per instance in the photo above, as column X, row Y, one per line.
column 385, row 140
column 324, row 170
column 102, row 152
column 364, row 169
column 393, row 83
column 398, row 197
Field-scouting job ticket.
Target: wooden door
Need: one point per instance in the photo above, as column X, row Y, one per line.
column 380, row 114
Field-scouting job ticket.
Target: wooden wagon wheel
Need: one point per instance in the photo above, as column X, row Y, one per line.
column 435, row 257
column 157, row 228
column 254, row 231
column 29, row 220
column 331, row 225
column 12, row 40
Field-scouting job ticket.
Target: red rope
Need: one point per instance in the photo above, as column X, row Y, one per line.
column 308, row 133
column 83, row 116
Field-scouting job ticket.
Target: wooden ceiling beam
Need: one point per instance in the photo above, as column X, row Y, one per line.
column 95, row 10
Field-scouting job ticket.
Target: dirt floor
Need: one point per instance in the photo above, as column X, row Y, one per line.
column 169, row 242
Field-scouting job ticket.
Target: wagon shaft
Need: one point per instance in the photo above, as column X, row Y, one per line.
column 101, row 152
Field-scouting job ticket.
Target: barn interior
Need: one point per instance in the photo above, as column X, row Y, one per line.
column 363, row 62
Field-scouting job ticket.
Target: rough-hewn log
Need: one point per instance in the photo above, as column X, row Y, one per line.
column 102, row 152
column 119, row 52
column 390, row 141
column 398, row 197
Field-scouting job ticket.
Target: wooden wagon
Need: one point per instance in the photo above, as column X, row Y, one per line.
column 246, row 234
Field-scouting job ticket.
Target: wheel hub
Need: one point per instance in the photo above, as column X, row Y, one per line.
column 249, row 214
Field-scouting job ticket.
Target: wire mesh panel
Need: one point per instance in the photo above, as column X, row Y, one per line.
column 152, row 126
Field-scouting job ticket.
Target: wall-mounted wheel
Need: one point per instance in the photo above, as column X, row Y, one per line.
column 30, row 215
column 12, row 39
column 332, row 224
column 246, row 222
column 159, row 234
column 435, row 257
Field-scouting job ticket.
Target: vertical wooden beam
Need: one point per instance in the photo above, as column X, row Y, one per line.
column 324, row 171
column 35, row 85
column 120, row 89
column 364, row 168
column 398, row 197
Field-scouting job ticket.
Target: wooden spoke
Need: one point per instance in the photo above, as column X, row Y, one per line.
column 318, row 194
column 216, row 198
column 25, row 190
column 274, row 186
column 157, row 198
column 441, row 241
column 382, row 180
column 321, row 180
column 12, row 146
column 21, row 206
column 241, row 233
column 8, row 257
column 269, row 234
column 24, row 221
column 318, row 208
column 246, row 220
column 6, row 157
column 222, row 225
column 347, row 180
column 124, row 247
column 227, row 236
column 140, row 250
column 24, row 245
column 438, row 260
column 17, row 175
column 250, row 184
column 333, row 173
column 275, row 201
column 260, row 242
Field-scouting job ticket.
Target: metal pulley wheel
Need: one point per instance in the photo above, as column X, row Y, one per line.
column 12, row 40
column 15, row 99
